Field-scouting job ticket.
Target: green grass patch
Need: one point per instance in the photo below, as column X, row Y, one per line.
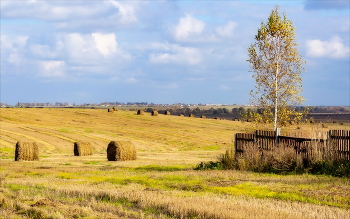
column 88, row 131
column 7, row 150
column 11, row 119
column 64, row 130
column 66, row 176
column 92, row 162
column 160, row 168
column 7, row 157
column 16, row 187
column 211, row 147
column 34, row 174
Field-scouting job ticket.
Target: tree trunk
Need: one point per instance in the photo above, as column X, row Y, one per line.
column 276, row 98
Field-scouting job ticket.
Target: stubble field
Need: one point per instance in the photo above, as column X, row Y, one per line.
column 161, row 183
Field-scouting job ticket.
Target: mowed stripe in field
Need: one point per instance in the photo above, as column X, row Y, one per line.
column 49, row 133
column 5, row 144
column 48, row 146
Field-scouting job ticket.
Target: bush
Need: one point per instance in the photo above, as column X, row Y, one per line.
column 209, row 166
column 333, row 168
column 280, row 160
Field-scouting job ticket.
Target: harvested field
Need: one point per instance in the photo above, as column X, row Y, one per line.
column 160, row 183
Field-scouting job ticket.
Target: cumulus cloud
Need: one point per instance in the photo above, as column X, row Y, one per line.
column 43, row 51
column 227, row 30
column 15, row 59
column 326, row 5
column 105, row 43
column 12, row 42
column 51, row 68
column 177, row 55
column 127, row 11
column 333, row 48
column 188, row 27
column 74, row 16
column 192, row 30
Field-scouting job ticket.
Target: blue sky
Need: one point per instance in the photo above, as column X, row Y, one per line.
column 162, row 51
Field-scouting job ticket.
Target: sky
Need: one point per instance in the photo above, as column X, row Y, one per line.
column 162, row 51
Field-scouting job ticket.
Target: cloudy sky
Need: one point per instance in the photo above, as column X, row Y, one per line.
column 162, row 51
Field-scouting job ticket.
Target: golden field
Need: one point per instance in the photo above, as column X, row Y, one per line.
column 161, row 183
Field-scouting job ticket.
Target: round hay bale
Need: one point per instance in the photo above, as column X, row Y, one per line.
column 140, row 112
column 154, row 113
column 115, row 108
column 167, row 112
column 26, row 151
column 82, row 149
column 110, row 110
column 120, row 151
column 191, row 115
column 202, row 116
column 181, row 114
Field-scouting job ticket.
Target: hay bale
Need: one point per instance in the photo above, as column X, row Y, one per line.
column 191, row 115
column 202, row 116
column 120, row 151
column 110, row 110
column 115, row 108
column 181, row 114
column 154, row 113
column 26, row 151
column 140, row 112
column 167, row 112
column 82, row 149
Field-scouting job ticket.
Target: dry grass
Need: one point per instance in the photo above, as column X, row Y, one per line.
column 50, row 189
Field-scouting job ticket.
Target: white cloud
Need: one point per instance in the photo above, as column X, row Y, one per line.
column 95, row 48
column 11, row 42
column 127, row 11
column 51, row 68
column 14, row 59
column 105, row 43
column 43, row 51
column 227, row 30
column 224, row 87
column 188, row 27
column 131, row 80
column 334, row 48
column 177, row 55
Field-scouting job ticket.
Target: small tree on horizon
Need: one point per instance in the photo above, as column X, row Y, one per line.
column 277, row 65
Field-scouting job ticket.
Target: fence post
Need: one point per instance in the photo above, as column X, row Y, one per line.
column 255, row 138
column 235, row 142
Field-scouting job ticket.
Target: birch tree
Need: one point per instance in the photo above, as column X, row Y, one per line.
column 277, row 66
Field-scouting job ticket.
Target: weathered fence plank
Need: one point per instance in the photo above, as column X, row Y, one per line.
column 336, row 145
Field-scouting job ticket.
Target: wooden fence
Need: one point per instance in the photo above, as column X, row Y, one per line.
column 335, row 145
